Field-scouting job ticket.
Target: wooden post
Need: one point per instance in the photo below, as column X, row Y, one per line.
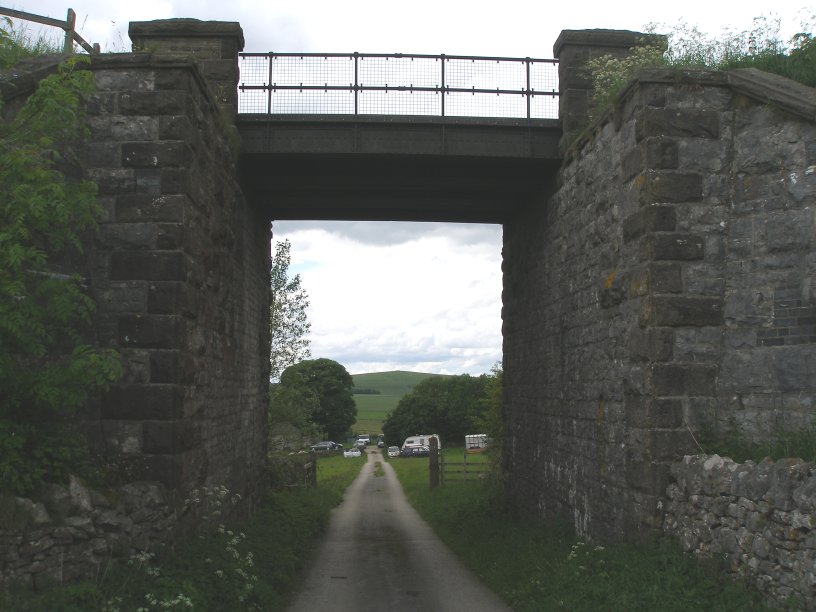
column 433, row 464
column 313, row 475
column 70, row 26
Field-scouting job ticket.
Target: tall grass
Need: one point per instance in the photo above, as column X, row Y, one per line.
column 536, row 566
column 18, row 42
column 800, row 443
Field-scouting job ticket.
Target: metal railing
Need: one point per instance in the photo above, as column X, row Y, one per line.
column 397, row 84
column 69, row 25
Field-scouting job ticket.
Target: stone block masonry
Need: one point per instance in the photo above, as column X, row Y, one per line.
column 181, row 261
column 664, row 286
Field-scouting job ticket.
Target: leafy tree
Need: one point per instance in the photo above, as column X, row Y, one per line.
column 450, row 406
column 330, row 384
column 48, row 368
column 288, row 324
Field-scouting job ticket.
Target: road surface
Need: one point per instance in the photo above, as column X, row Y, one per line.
column 378, row 555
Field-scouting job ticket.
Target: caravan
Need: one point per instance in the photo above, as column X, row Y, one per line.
column 420, row 440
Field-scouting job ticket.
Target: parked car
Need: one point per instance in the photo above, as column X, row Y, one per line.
column 352, row 452
column 326, row 445
column 393, row 451
column 361, row 444
column 415, row 451
column 380, row 443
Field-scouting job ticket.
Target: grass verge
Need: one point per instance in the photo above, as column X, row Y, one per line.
column 799, row 443
column 537, row 567
column 249, row 566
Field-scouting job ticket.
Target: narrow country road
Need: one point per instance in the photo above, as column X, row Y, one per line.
column 379, row 555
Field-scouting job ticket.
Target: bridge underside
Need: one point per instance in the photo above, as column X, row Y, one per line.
column 426, row 169
column 394, row 188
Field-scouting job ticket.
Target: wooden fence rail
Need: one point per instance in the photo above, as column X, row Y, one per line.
column 464, row 470
column 69, row 25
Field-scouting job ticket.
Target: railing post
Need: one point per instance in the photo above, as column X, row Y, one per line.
column 433, row 464
column 70, row 26
column 356, row 81
column 529, row 93
column 269, row 83
column 442, row 92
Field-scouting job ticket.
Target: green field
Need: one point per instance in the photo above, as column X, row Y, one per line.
column 373, row 409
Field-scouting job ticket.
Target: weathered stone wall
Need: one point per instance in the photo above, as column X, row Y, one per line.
column 72, row 532
column 665, row 286
column 761, row 516
column 181, row 277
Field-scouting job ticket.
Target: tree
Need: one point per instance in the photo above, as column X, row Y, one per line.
column 48, row 365
column 328, row 381
column 288, row 324
column 450, row 406
column 492, row 419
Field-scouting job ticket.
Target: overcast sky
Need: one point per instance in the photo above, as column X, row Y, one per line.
column 420, row 297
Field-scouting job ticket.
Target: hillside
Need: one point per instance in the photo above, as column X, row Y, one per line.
column 372, row 410
column 390, row 383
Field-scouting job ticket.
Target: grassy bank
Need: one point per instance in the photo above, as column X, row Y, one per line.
column 538, row 567
column 248, row 566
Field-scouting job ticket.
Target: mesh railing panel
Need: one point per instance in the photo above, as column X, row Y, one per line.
column 398, row 85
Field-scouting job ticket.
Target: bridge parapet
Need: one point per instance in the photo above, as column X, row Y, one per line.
column 398, row 84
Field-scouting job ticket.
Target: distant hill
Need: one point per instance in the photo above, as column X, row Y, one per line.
column 390, row 383
column 373, row 409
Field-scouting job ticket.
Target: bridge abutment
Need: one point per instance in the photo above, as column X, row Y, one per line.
column 182, row 262
column 645, row 300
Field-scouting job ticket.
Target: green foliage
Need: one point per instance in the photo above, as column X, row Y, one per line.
column 212, row 572
column 492, row 419
column 538, row 566
column 320, row 389
column 760, row 47
column 610, row 74
column 30, row 455
column 799, row 443
column 47, row 368
column 450, row 406
column 288, row 323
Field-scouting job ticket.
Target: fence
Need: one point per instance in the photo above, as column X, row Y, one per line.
column 464, row 470
column 68, row 25
column 398, row 84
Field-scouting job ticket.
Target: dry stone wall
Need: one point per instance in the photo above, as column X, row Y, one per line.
column 68, row 533
column 761, row 517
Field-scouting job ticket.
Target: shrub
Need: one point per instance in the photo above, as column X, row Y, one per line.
column 760, row 47
column 48, row 368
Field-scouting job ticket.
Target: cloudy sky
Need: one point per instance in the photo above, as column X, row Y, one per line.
column 421, row 297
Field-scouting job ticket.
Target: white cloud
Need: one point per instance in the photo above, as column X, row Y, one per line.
column 427, row 300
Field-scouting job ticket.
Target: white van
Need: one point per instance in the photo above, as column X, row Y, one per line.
column 421, row 440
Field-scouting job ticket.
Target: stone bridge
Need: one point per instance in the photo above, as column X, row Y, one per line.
column 659, row 262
